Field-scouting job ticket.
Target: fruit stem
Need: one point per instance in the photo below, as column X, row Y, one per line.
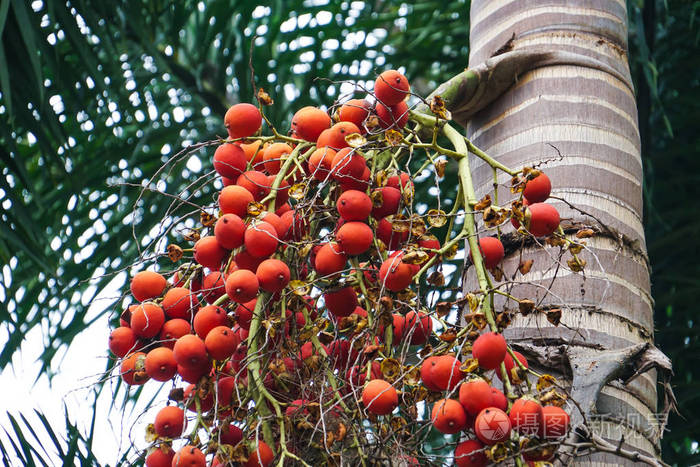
column 272, row 197
column 259, row 390
column 469, row 197
column 319, row 348
column 488, row 159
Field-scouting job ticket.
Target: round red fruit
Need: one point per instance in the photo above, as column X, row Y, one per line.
column 470, row 453
column 544, row 219
column 380, row 397
column 391, row 87
column 448, row 416
column 490, row 350
column 242, row 120
column 492, row 426
column 537, row 189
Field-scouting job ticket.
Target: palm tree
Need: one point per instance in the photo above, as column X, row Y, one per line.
column 551, row 83
column 96, row 95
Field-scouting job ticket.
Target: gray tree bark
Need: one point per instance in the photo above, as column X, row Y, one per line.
column 554, row 74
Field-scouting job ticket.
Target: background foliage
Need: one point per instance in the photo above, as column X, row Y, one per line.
column 98, row 95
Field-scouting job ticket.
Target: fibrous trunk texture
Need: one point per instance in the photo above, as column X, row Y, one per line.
column 589, row 115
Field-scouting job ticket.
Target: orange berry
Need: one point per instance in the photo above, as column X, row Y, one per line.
column 526, row 416
column 259, row 455
column 537, row 189
column 122, row 341
column 491, row 250
column 490, row 350
column 426, row 373
column 230, row 434
column 555, row 422
column 492, row 426
column 391, row 238
column 242, row 285
column 146, row 320
column 395, row 116
column 544, row 219
column 172, row 330
column 160, row 364
column 245, row 260
column 309, row 122
column 276, row 221
column 273, row 275
column 253, row 152
column 354, row 238
column 391, row 87
column 213, row 286
column 189, row 456
column 419, row 326
column 207, row 318
column 162, row 456
column 147, row 284
column 448, row 416
column 242, row 120
column 209, row 253
column 341, row 302
column 510, row 364
column 469, row 454
column 169, row 422
column 229, row 160
column 329, row 259
column 189, row 352
column 257, row 183
column 354, row 205
column 320, row 162
column 429, row 241
column 387, row 201
column 445, row 373
column 394, row 274
column 475, row 396
column 401, row 182
column 178, row 303
column 221, row 342
column 234, row 199
column 355, row 111
column 380, row 397
column 273, row 156
column 334, row 137
column 498, row 399
column 360, row 184
column 133, row 369
column 347, row 164
column 229, row 230
column 244, row 313
column 193, row 374
column 260, row 239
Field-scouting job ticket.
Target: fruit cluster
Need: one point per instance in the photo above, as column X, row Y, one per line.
column 298, row 311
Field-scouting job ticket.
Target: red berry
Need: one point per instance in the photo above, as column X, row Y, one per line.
column 492, row 426
column 448, row 416
column 537, row 189
column 379, row 397
column 526, row 416
column 242, row 120
column 491, row 250
column 490, row 350
column 229, row 160
column 475, row 396
column 544, row 219
column 469, row 454
column 391, row 87
column 555, row 422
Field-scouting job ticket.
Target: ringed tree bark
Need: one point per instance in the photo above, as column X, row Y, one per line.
column 548, row 80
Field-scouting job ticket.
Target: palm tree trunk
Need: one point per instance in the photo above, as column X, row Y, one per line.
column 588, row 114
